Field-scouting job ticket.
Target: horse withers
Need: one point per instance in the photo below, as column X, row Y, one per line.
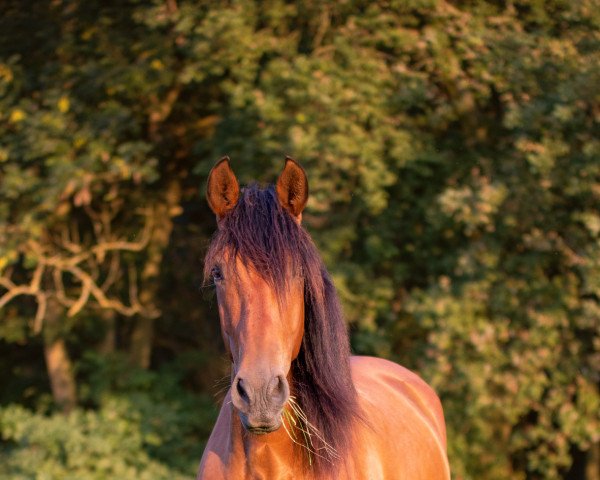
column 299, row 405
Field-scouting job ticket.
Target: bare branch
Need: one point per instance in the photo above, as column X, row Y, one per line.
column 95, row 218
column 6, row 283
column 59, row 288
column 75, row 238
column 86, row 288
column 66, row 243
column 99, row 250
column 106, row 218
column 86, row 266
column 109, row 303
column 42, row 302
column 113, row 272
column 37, row 277
column 16, row 290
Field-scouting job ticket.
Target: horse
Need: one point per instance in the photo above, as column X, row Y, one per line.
column 300, row 406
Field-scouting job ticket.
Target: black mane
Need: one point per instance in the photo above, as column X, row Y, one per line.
column 262, row 234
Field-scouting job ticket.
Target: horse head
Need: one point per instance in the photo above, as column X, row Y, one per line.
column 260, row 289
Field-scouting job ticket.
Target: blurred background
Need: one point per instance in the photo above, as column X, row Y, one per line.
column 453, row 154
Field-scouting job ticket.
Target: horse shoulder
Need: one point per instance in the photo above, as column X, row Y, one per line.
column 404, row 421
column 215, row 459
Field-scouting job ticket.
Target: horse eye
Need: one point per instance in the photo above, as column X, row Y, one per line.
column 216, row 274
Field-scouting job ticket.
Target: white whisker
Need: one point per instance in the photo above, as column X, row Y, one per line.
column 308, row 430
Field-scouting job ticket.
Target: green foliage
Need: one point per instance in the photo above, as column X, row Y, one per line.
column 87, row 445
column 143, row 425
column 454, row 162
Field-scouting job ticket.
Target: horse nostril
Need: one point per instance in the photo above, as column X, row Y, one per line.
column 242, row 392
column 279, row 388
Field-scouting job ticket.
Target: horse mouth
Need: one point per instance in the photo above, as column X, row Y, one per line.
column 259, row 429
column 262, row 430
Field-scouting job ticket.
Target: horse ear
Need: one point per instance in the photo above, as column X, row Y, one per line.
column 292, row 188
column 223, row 189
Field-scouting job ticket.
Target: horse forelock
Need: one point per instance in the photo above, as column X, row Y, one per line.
column 262, row 234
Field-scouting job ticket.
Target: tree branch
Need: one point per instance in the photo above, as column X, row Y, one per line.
column 33, row 289
column 86, row 266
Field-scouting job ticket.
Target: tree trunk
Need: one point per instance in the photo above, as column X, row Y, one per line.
column 143, row 330
column 140, row 351
column 58, row 362
column 109, row 342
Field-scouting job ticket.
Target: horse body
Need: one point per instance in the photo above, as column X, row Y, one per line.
column 405, row 437
column 299, row 406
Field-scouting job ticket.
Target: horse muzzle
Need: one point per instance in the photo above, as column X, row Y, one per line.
column 259, row 401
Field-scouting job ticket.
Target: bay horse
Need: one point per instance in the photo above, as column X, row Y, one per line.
column 299, row 405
